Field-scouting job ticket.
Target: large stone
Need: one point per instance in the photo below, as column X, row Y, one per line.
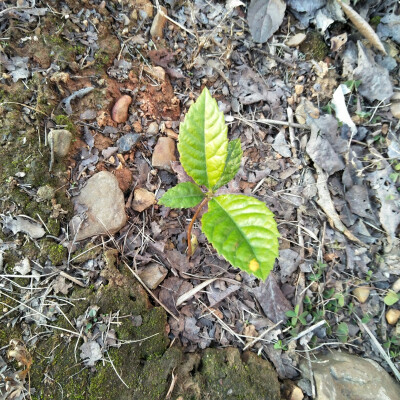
column 105, row 207
column 60, row 140
column 342, row 376
column 164, row 153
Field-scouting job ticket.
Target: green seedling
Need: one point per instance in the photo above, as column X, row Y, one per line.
column 342, row 332
column 241, row 228
column 296, row 316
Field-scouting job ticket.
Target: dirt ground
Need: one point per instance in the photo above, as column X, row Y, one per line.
column 315, row 104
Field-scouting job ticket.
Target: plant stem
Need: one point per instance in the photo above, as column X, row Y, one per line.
column 189, row 233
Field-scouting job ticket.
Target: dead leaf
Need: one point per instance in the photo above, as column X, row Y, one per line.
column 264, row 18
column 375, row 80
column 338, row 41
column 171, row 289
column 90, row 353
column 363, row 26
column 61, row 286
column 22, row 224
column 272, row 300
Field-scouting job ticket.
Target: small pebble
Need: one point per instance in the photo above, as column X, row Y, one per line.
column 362, row 293
column 119, row 112
column 395, row 106
column 152, row 129
column 126, row 142
column 396, row 286
column 392, row 316
column 143, row 199
column 296, row 40
column 60, row 139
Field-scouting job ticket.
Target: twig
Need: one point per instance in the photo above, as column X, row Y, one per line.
column 378, row 346
column 150, row 292
column 291, row 132
column 282, row 123
column 172, row 386
column 261, row 336
column 115, row 370
column 308, row 330
column 78, row 94
column 310, row 371
column 72, row 279
column 192, row 292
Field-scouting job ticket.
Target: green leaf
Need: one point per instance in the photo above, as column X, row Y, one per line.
column 183, row 195
column 232, row 163
column 342, row 332
column 391, row 298
column 244, row 231
column 290, row 313
column 203, row 141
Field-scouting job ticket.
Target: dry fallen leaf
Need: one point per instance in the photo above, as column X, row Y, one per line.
column 363, row 26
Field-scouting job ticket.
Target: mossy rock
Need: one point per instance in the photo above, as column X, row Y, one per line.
column 314, row 46
column 144, row 367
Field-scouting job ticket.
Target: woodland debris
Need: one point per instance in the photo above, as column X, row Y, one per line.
column 143, row 199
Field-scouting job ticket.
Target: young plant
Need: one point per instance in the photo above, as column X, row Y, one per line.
column 241, row 228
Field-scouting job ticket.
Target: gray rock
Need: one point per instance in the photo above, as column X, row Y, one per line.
column 88, row 114
column 342, row 376
column 105, row 205
column 126, row 142
column 60, row 139
column 153, row 274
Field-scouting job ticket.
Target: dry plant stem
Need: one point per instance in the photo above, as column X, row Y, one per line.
column 377, row 345
column 189, row 233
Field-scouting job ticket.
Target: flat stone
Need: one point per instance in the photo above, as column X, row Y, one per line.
column 343, row 376
column 362, row 293
column 126, row 142
column 164, row 153
column 105, row 205
column 156, row 30
column 60, row 139
column 153, row 274
column 143, row 199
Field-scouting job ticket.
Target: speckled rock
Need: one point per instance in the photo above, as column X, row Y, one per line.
column 343, row 376
column 105, row 205
column 60, row 140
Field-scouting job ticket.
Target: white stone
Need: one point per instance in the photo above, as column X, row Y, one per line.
column 105, row 207
column 60, row 140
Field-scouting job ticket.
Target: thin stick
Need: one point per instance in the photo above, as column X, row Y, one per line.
column 72, row 279
column 378, row 346
column 115, row 370
column 189, row 233
column 150, row 292
column 308, row 330
column 283, row 123
column 291, row 132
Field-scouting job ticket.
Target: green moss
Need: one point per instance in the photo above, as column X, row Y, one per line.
column 65, row 122
column 314, row 46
